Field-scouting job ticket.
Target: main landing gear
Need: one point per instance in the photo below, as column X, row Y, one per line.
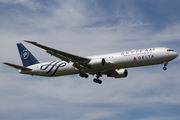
column 97, row 80
column 84, row 75
column 165, row 64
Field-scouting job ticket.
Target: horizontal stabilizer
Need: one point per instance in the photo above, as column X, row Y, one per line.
column 17, row 66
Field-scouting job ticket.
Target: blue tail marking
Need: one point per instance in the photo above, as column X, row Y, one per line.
column 26, row 56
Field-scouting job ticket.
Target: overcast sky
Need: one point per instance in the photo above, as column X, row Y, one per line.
column 85, row 28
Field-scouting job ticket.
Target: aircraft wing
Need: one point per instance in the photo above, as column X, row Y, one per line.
column 77, row 60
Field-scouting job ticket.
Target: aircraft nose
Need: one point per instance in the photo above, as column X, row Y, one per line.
column 174, row 54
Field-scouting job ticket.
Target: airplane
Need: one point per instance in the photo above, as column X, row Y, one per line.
column 112, row 65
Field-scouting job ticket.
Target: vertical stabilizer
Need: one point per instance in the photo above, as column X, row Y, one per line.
column 26, row 56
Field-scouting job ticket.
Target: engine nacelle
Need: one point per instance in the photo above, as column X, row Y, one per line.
column 96, row 63
column 118, row 73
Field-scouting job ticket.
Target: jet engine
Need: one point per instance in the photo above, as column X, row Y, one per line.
column 95, row 63
column 118, row 73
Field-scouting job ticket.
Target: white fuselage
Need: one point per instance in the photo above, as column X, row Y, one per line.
column 126, row 59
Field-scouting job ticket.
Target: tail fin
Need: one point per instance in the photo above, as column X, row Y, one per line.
column 26, row 56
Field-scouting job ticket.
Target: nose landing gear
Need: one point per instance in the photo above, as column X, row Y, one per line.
column 165, row 64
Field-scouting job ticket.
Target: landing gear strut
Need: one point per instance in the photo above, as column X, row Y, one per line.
column 165, row 64
column 97, row 80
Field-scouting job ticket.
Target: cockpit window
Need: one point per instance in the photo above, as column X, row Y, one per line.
column 169, row 50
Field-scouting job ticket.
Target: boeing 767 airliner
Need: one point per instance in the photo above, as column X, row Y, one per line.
column 112, row 65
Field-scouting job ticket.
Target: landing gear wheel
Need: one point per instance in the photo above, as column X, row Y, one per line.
column 97, row 81
column 84, row 75
column 164, row 68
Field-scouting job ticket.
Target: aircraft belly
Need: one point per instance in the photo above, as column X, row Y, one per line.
column 66, row 71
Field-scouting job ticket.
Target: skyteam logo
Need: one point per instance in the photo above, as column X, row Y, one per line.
column 25, row 54
column 53, row 66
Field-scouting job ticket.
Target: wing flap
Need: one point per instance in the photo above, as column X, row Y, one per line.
column 16, row 66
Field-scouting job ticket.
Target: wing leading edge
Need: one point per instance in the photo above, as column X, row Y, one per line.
column 79, row 62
